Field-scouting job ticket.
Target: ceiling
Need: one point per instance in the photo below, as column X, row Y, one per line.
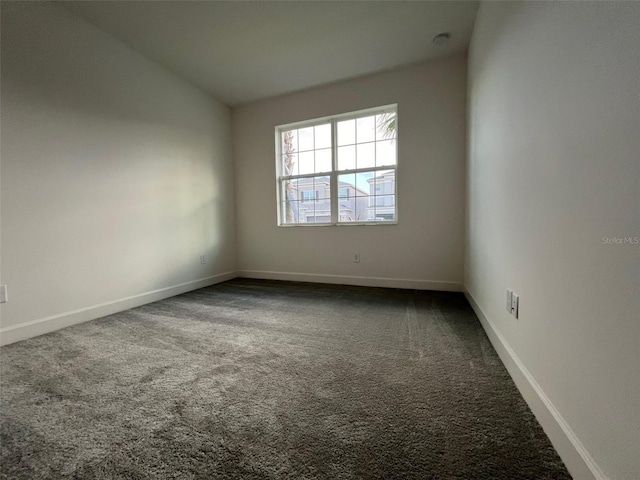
column 241, row 51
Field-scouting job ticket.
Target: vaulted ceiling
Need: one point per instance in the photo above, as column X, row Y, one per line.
column 244, row 51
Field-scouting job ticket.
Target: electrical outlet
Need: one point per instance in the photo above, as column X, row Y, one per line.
column 356, row 258
column 515, row 300
column 508, row 303
column 203, row 259
column 3, row 294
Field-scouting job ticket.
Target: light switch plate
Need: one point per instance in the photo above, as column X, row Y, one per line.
column 3, row 294
column 515, row 300
column 508, row 304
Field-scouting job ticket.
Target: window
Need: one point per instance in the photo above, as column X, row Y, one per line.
column 354, row 155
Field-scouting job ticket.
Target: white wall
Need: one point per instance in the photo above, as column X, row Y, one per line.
column 425, row 248
column 116, row 176
column 553, row 167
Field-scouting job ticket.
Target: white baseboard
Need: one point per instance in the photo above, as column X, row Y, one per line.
column 354, row 280
column 576, row 458
column 41, row 326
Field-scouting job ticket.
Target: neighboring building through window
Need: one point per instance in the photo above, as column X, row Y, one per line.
column 354, row 155
column 308, row 195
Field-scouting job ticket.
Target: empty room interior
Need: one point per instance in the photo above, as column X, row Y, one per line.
column 307, row 239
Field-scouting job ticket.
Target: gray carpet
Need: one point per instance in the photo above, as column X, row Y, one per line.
column 257, row 379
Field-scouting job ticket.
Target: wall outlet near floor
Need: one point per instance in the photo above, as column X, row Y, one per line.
column 203, row 259
column 3, row 294
column 356, row 258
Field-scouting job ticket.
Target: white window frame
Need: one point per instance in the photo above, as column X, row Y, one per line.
column 334, row 173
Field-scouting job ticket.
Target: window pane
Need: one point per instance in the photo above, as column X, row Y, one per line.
column 377, row 186
column 346, row 198
column 304, row 185
column 289, row 141
column 347, row 158
column 323, row 136
column 323, row 160
column 290, row 164
column 321, row 189
column 352, row 209
column 385, row 153
column 306, row 163
column 313, row 189
column 322, row 211
column 290, row 212
column 316, row 210
column 366, row 129
column 365, row 183
column 362, row 208
column 347, row 132
column 290, row 189
column 305, row 139
column 385, row 182
column 385, row 208
column 366, row 155
column 386, row 126
column 347, row 181
column 307, row 213
column 345, row 214
column 288, row 192
column 306, row 210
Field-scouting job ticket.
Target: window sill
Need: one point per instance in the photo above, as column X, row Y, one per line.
column 354, row 224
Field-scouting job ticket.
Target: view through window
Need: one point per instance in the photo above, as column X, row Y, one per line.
column 338, row 170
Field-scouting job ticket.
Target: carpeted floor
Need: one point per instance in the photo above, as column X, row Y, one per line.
column 254, row 379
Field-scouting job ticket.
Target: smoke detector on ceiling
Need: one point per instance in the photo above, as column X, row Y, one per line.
column 441, row 39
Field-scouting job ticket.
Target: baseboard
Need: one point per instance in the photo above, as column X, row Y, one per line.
column 577, row 459
column 354, row 280
column 41, row 326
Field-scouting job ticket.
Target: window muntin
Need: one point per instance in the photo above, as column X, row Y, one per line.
column 354, row 155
